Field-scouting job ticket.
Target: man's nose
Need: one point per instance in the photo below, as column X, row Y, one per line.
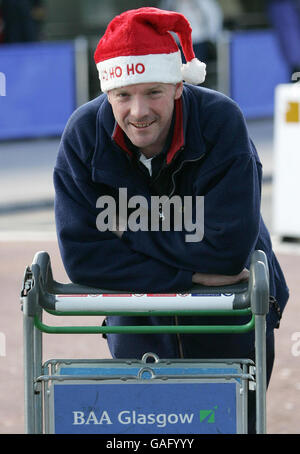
column 139, row 108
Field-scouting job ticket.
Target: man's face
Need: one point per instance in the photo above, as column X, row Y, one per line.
column 144, row 112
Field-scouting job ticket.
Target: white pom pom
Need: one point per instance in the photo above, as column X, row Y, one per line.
column 194, row 72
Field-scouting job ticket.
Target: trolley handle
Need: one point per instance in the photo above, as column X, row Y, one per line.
column 40, row 289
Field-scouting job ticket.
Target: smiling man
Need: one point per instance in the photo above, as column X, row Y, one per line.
column 151, row 135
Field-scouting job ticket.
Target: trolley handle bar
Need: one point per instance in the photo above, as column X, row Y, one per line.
column 40, row 290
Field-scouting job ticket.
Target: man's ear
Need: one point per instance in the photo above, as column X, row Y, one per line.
column 178, row 90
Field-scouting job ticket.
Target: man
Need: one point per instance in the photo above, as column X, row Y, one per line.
column 152, row 136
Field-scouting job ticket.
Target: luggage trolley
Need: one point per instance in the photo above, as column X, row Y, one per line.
column 148, row 395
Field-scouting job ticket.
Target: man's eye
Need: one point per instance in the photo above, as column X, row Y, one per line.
column 122, row 95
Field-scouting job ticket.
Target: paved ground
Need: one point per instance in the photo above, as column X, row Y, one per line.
column 25, row 179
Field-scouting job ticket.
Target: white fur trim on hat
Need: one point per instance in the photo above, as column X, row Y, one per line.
column 137, row 69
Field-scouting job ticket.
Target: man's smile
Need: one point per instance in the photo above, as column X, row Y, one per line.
column 141, row 125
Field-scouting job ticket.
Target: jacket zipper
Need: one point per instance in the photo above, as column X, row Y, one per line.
column 180, row 167
column 179, row 341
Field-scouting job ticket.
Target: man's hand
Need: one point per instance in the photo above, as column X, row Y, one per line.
column 214, row 280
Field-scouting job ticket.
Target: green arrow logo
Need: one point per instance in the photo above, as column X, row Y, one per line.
column 208, row 415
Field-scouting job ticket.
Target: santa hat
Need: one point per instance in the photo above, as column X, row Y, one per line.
column 138, row 48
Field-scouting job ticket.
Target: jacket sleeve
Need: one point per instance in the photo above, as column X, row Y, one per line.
column 229, row 181
column 91, row 257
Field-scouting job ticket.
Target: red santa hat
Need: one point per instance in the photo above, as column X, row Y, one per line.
column 138, row 48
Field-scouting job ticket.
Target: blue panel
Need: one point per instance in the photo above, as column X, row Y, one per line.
column 119, row 371
column 40, row 89
column 177, row 408
column 257, row 67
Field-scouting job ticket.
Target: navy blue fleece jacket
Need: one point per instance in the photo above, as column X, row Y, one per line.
column 210, row 155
